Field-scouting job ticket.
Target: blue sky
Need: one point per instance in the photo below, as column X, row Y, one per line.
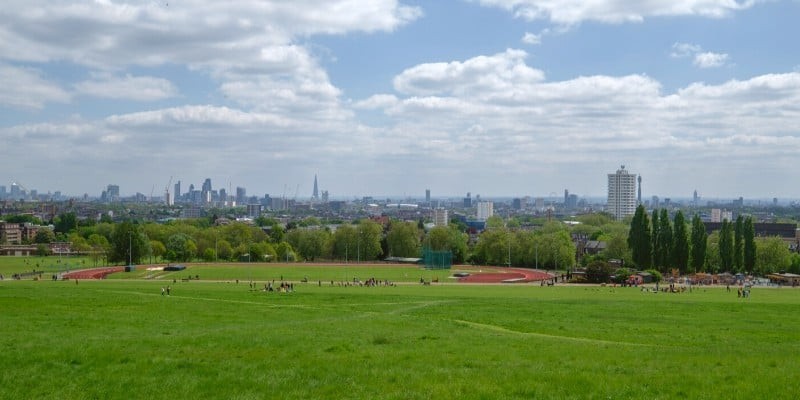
column 385, row 97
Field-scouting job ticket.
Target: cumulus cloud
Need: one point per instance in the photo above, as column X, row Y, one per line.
column 26, row 88
column 479, row 75
column 250, row 46
column 710, row 60
column 701, row 59
column 570, row 12
column 137, row 88
column 576, row 121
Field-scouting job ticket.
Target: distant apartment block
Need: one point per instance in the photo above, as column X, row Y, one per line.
column 485, row 210
column 621, row 194
column 440, row 217
column 17, row 233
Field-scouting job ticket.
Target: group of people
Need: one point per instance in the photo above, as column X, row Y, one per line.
column 165, row 290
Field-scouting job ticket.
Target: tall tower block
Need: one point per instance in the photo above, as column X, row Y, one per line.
column 315, row 193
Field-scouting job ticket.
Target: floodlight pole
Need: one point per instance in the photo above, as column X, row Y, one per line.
column 130, row 248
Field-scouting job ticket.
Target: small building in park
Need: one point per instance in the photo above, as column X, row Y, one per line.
column 785, row 279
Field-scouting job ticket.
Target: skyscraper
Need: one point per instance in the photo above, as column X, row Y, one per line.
column 621, row 194
column 427, row 195
column 315, row 193
column 177, row 194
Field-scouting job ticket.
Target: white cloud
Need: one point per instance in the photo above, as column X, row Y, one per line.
column 137, row 88
column 25, row 88
column 481, row 75
column 710, row 60
column 570, row 12
column 531, row 38
column 701, row 59
column 249, row 46
column 576, row 122
column 680, row 50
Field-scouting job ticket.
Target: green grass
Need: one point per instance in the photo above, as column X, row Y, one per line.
column 122, row 339
column 10, row 265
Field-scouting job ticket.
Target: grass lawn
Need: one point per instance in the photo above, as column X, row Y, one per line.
column 123, row 339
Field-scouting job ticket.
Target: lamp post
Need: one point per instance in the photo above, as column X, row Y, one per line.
column 130, row 248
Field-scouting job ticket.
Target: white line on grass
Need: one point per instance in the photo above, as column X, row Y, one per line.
column 501, row 329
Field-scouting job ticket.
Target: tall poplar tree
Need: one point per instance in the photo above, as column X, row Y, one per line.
column 639, row 239
column 699, row 244
column 738, row 245
column 655, row 226
column 680, row 246
column 664, row 240
column 749, row 245
column 726, row 246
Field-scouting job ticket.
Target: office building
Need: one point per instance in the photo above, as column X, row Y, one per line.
column 485, row 210
column 621, row 194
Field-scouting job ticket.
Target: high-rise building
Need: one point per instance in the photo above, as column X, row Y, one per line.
column 716, row 215
column 177, row 190
column 427, row 195
column 241, row 195
column 207, row 185
column 2, row 192
column 485, row 210
column 621, row 194
column 440, row 217
column 468, row 200
column 695, row 198
column 315, row 193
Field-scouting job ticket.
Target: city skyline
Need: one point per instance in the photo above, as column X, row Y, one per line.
column 494, row 97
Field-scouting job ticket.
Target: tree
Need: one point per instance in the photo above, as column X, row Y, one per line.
column 664, row 242
column 223, row 249
column 66, row 223
column 44, row 236
column 773, row 256
column 699, row 244
column 726, row 246
column 738, row 245
column 285, row 253
column 655, row 226
column 680, row 247
column 129, row 242
column 713, row 259
column 369, row 240
column 599, row 272
column 749, row 256
column 157, row 249
column 180, row 247
column 309, row 243
column 493, row 247
column 639, row 240
column 494, row 222
column 403, row 239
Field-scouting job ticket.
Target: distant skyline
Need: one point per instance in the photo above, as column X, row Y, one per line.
column 384, row 97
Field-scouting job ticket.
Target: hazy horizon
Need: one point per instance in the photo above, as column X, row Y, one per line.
column 396, row 96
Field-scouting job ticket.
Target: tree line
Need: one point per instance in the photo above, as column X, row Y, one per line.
column 651, row 241
column 664, row 244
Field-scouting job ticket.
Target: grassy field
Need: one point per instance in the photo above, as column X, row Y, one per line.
column 123, row 339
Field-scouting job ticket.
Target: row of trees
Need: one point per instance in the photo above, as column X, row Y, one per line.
column 651, row 241
column 663, row 244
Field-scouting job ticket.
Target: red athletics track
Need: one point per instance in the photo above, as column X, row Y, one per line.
column 94, row 273
column 509, row 275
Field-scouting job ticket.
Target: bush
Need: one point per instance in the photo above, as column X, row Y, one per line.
column 599, row 272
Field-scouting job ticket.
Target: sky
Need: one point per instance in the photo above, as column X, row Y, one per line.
column 392, row 97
